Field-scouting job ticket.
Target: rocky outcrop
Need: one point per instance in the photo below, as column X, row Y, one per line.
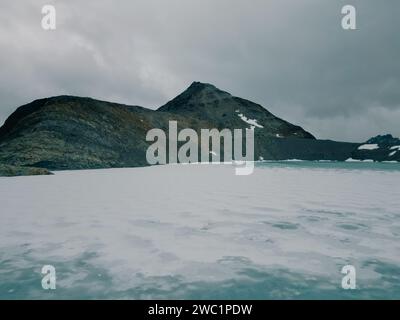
column 206, row 102
column 379, row 148
column 11, row 171
column 67, row 132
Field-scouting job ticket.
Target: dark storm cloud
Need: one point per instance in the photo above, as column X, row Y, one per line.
column 293, row 57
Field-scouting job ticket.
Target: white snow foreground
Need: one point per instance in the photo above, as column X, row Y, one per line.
column 199, row 222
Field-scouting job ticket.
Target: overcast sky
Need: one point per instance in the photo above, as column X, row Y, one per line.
column 291, row 56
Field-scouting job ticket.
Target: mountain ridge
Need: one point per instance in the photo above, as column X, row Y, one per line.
column 207, row 102
column 69, row 132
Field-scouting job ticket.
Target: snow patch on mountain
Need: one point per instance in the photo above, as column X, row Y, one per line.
column 369, row 146
column 252, row 122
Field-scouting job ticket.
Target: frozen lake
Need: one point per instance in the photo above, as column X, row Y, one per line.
column 199, row 231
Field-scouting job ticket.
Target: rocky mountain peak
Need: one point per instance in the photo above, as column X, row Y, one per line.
column 196, row 94
column 67, row 132
column 386, row 139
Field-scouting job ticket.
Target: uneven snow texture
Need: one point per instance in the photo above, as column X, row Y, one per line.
column 190, row 231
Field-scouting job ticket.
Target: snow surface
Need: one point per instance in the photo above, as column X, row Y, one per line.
column 252, row 122
column 357, row 160
column 352, row 160
column 372, row 146
column 200, row 232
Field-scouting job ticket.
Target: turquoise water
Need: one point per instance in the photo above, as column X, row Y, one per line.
column 284, row 232
column 251, row 282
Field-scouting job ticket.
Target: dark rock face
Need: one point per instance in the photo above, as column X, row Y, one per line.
column 384, row 140
column 74, row 133
column 206, row 102
column 275, row 139
column 67, row 132
column 11, row 171
column 379, row 148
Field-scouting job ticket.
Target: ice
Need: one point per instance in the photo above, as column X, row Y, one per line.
column 189, row 231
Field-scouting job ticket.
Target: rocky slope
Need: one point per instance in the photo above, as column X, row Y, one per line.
column 67, row 132
column 275, row 139
column 379, row 148
column 208, row 103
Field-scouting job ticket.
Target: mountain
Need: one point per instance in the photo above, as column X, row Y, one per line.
column 67, row 132
column 275, row 139
column 206, row 102
column 77, row 133
column 379, row 148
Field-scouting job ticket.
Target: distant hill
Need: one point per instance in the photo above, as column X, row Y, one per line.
column 68, row 132
column 379, row 148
